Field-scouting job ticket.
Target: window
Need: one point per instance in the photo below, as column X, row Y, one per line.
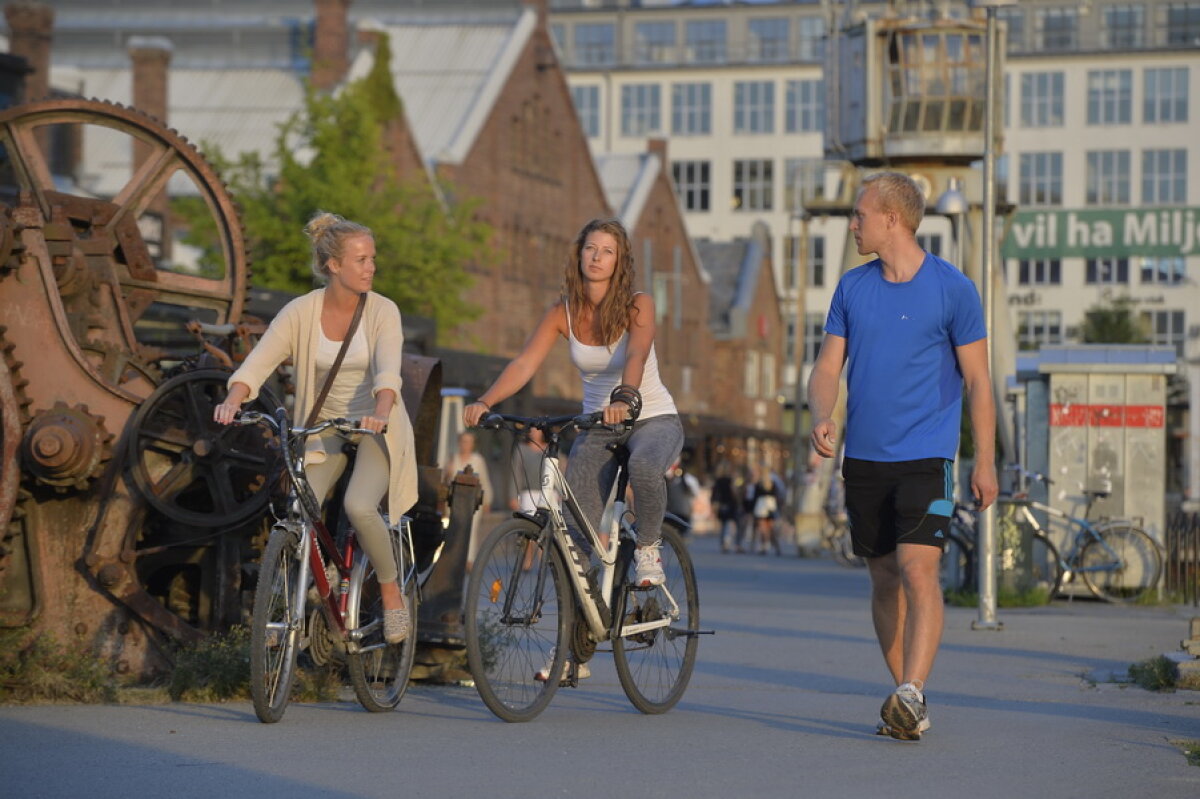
column 1058, row 28
column 810, row 38
column 1124, row 27
column 1108, row 271
column 587, row 106
column 1110, row 97
column 754, row 106
column 691, row 109
column 1165, row 271
column 1107, row 177
column 805, row 108
column 1015, row 17
column 816, row 261
column 692, row 184
column 1164, row 177
column 1036, row 328
column 768, row 375
column 750, row 378
column 654, row 42
column 804, row 179
column 1183, row 24
column 814, row 331
column 767, row 39
column 706, row 41
column 640, row 109
column 1040, row 179
column 932, row 243
column 1039, row 272
column 1165, row 98
column 1166, row 328
column 753, row 185
column 595, row 44
column 1042, row 100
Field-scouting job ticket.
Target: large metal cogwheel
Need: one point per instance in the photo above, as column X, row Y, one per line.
column 192, row 469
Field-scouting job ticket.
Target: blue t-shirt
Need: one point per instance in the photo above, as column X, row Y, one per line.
column 904, row 386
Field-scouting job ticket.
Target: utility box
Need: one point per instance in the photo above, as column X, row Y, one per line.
column 1095, row 420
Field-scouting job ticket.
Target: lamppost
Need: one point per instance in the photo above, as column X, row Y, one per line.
column 987, row 519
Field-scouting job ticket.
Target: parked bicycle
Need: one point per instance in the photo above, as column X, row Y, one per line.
column 1117, row 560
column 539, row 598
column 307, row 564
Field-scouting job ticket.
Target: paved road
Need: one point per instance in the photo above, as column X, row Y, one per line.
column 783, row 703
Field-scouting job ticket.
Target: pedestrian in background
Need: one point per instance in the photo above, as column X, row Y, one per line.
column 910, row 325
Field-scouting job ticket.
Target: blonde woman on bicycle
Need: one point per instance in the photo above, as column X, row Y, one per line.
column 610, row 331
column 310, row 330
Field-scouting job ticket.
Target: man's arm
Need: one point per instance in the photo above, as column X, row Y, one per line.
column 823, row 386
column 981, row 405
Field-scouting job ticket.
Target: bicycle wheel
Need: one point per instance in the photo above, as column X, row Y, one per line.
column 379, row 671
column 518, row 615
column 958, row 562
column 1123, row 566
column 275, row 626
column 654, row 666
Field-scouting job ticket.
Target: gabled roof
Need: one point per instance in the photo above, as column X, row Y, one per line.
column 734, row 268
column 449, row 71
column 237, row 110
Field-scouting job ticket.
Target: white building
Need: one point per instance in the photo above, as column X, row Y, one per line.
column 1100, row 155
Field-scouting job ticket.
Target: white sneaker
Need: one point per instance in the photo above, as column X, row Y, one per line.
column 543, row 674
column 648, row 567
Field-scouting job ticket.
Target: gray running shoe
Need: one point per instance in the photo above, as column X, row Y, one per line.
column 903, row 713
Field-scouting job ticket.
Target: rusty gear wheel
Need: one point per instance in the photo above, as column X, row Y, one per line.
column 192, row 469
column 65, row 447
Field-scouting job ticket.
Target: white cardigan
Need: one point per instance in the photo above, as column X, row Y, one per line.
column 295, row 333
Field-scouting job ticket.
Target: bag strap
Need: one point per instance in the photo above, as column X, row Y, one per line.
column 337, row 362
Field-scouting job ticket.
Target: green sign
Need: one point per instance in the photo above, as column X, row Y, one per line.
column 1103, row 233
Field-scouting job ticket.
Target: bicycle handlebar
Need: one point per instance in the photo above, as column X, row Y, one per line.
column 279, row 422
column 549, row 424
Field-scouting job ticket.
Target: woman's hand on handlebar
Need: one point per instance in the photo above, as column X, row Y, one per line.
column 374, row 424
column 615, row 413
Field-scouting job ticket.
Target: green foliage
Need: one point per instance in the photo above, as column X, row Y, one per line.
column 332, row 156
column 1155, row 674
column 1112, row 323
column 35, row 668
column 215, row 669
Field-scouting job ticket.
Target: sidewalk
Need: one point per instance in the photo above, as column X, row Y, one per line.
column 783, row 703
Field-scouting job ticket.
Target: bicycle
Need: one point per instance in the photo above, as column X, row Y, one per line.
column 1117, row 560
column 534, row 597
column 305, row 563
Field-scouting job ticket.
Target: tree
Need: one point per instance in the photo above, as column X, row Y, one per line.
column 1112, row 323
column 332, row 157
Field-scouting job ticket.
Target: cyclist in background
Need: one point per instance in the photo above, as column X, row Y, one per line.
column 911, row 327
column 610, row 331
column 310, row 330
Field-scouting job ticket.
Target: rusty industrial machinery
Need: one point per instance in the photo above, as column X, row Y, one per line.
column 128, row 519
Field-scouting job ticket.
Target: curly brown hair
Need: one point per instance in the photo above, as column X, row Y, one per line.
column 616, row 306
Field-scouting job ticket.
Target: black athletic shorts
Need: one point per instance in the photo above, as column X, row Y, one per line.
column 902, row 502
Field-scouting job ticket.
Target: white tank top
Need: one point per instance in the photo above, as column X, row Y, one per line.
column 350, row 395
column 600, row 368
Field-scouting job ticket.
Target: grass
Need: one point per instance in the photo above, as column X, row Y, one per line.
column 37, row 668
column 1190, row 749
column 1005, row 597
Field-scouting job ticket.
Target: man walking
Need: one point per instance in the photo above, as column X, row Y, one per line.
column 910, row 325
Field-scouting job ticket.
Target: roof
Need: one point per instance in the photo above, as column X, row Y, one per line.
column 449, row 71
column 235, row 110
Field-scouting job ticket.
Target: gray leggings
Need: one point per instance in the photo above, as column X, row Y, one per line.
column 653, row 447
column 368, row 484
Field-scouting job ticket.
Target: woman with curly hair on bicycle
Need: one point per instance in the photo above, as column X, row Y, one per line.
column 610, row 330
column 311, row 330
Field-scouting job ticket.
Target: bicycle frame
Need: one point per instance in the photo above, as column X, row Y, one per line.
column 597, row 603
